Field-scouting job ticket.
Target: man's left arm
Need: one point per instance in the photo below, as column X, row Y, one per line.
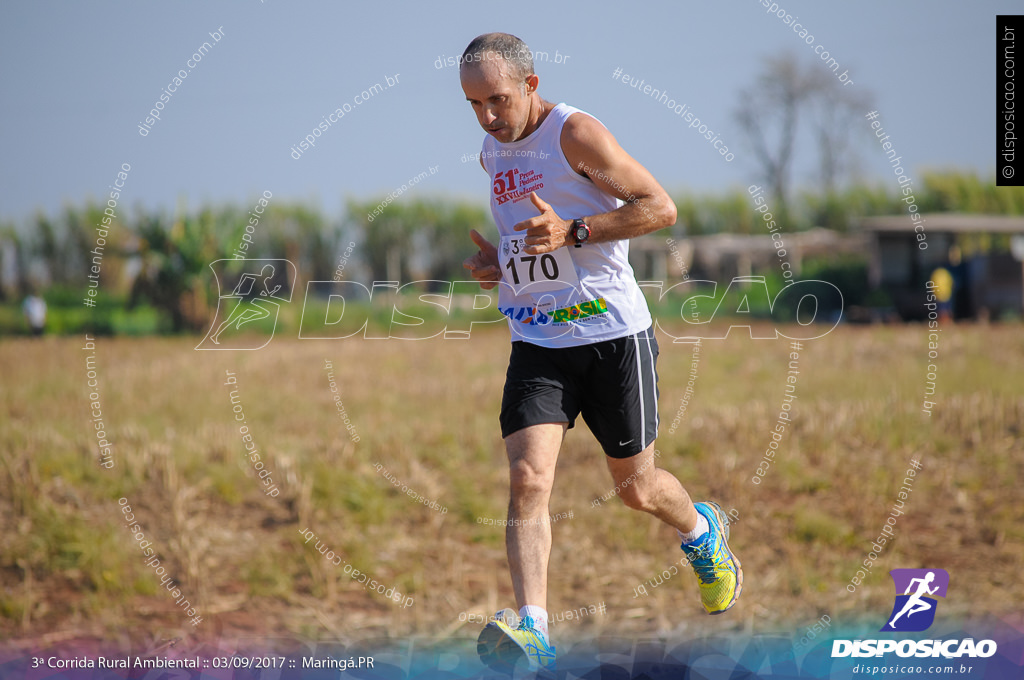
column 593, row 151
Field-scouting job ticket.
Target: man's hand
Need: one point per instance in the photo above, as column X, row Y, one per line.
column 547, row 231
column 484, row 265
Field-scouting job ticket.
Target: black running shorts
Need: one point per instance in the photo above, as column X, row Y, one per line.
column 613, row 384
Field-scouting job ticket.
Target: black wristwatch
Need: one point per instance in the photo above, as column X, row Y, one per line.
column 580, row 231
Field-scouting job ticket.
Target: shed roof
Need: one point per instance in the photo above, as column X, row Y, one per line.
column 955, row 223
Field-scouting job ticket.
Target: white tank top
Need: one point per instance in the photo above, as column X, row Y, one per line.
column 573, row 296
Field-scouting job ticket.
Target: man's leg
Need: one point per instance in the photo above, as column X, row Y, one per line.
column 643, row 486
column 532, row 455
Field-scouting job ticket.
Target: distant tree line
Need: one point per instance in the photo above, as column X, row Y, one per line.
column 162, row 260
column 949, row 191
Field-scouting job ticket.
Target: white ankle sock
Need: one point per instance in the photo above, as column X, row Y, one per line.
column 539, row 616
column 698, row 531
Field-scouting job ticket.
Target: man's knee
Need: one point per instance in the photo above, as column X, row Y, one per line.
column 527, row 481
column 636, row 498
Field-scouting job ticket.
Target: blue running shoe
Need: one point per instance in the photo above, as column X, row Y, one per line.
column 721, row 578
column 501, row 647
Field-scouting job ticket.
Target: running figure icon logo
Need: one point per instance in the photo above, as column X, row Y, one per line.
column 257, row 288
column 914, row 610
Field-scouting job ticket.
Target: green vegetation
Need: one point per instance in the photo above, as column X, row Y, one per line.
column 155, row 275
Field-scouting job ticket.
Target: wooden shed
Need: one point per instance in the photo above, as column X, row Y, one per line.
column 984, row 254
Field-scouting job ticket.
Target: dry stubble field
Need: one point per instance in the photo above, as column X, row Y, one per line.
column 427, row 411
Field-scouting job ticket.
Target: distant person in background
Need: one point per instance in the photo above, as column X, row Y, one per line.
column 961, row 300
column 34, row 308
column 942, row 284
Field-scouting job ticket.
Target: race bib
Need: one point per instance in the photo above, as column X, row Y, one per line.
column 535, row 273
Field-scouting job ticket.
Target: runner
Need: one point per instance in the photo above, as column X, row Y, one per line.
column 566, row 198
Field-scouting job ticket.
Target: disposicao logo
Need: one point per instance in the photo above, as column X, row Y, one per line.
column 914, row 611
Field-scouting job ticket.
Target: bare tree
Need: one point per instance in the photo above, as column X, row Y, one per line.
column 770, row 113
column 838, row 115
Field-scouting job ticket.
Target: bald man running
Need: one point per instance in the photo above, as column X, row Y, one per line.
column 566, row 198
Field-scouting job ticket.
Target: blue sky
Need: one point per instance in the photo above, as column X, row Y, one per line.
column 77, row 78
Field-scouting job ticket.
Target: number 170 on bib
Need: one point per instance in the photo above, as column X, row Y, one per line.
column 541, row 273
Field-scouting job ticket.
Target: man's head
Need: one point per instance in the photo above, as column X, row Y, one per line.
column 498, row 79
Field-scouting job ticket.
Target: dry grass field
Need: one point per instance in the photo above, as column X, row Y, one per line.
column 426, row 414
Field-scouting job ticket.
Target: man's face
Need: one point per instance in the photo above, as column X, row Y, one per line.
column 501, row 104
